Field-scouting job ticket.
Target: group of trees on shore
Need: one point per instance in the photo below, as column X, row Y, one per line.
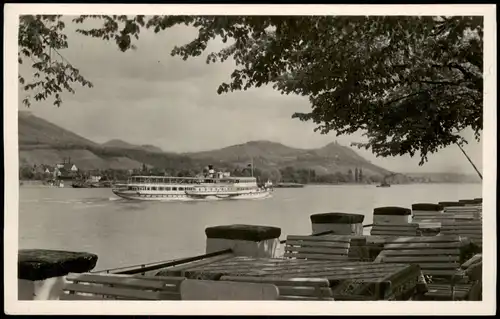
column 286, row 175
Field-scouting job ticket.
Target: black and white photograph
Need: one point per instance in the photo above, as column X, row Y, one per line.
column 284, row 153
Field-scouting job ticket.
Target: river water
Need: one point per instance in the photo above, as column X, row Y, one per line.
column 124, row 233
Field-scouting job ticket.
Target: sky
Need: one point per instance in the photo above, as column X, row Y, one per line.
column 147, row 96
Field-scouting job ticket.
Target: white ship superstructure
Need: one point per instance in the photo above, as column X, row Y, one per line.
column 212, row 186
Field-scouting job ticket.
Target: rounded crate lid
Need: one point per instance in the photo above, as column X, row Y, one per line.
column 392, row 210
column 243, row 232
column 450, row 204
column 467, row 201
column 427, row 207
column 40, row 264
column 337, row 218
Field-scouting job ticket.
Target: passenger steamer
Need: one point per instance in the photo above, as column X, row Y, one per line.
column 211, row 186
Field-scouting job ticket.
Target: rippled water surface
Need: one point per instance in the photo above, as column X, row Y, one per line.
column 125, row 232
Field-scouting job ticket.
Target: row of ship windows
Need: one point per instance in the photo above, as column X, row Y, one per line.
column 161, row 195
column 154, row 188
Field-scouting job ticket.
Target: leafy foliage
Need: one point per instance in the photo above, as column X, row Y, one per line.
column 410, row 83
column 39, row 40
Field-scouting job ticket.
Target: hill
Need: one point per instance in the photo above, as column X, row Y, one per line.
column 36, row 131
column 116, row 143
column 329, row 159
column 41, row 142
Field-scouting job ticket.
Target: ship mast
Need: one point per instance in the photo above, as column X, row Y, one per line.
column 252, row 166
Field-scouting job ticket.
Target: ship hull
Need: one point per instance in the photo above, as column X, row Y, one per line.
column 175, row 197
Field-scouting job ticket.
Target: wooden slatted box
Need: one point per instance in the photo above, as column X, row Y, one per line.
column 439, row 257
column 473, row 230
column 292, row 288
column 90, row 286
column 395, row 230
column 317, row 247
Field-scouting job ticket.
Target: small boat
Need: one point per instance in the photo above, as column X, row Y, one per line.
column 79, row 184
column 384, row 184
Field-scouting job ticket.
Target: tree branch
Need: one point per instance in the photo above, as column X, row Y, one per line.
column 403, row 97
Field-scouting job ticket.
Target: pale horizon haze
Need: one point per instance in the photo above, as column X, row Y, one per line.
column 146, row 96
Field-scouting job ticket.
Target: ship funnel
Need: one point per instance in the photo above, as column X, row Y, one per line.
column 211, row 169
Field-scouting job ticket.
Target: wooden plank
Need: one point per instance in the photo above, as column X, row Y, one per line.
column 409, row 225
column 226, row 265
column 117, row 292
column 172, row 279
column 408, row 230
column 67, row 296
column 467, row 235
column 318, row 244
column 458, row 287
column 464, row 223
column 198, row 263
column 421, row 259
column 320, row 250
column 406, row 233
column 423, row 246
column 424, row 252
column 431, row 239
column 464, row 234
column 255, row 268
column 305, row 291
column 429, row 225
column 441, row 272
column 315, row 256
column 333, row 266
column 346, row 275
column 279, row 281
column 468, row 228
column 126, row 281
column 450, row 265
column 458, row 228
column 476, row 230
column 401, row 229
column 303, row 298
column 227, row 290
column 327, row 238
column 393, row 233
column 343, row 273
column 447, row 216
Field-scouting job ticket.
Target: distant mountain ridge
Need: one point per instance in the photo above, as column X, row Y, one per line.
column 42, row 142
column 116, row 143
column 329, row 159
